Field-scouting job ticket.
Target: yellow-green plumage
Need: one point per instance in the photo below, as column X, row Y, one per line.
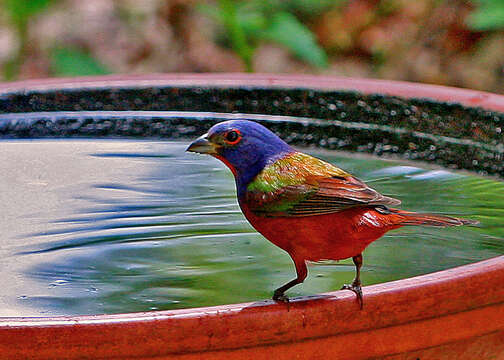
column 294, row 169
column 301, row 185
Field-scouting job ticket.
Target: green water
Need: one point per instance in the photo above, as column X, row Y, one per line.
column 109, row 226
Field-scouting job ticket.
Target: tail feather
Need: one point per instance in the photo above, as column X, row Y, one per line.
column 411, row 218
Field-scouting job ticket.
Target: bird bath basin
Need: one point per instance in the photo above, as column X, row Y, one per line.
column 457, row 312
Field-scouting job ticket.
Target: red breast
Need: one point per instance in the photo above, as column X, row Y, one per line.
column 333, row 236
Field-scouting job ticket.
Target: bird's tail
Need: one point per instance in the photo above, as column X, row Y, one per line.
column 412, row 218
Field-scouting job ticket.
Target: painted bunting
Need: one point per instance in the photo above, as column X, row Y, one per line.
column 311, row 209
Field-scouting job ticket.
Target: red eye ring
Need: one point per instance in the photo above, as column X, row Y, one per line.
column 233, row 137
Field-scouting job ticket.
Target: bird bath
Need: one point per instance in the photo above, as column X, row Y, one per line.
column 438, row 315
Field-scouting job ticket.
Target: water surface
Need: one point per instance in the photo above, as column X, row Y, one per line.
column 109, row 226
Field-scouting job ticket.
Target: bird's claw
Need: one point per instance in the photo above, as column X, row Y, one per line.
column 281, row 297
column 357, row 289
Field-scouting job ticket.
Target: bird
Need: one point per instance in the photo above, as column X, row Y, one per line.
column 310, row 208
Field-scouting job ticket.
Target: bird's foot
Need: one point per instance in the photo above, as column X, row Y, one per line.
column 357, row 289
column 280, row 297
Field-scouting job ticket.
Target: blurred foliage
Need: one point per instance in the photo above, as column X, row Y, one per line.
column 247, row 23
column 489, row 15
column 65, row 61
column 288, row 31
column 69, row 61
column 19, row 13
column 227, row 13
column 450, row 42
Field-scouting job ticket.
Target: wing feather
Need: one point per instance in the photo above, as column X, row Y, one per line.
column 316, row 188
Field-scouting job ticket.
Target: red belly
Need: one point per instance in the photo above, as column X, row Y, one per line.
column 333, row 236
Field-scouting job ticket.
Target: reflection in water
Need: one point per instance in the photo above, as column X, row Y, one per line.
column 157, row 228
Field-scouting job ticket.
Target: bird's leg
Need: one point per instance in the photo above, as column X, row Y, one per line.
column 355, row 286
column 301, row 271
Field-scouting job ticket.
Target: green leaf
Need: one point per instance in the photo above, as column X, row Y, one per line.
column 311, row 7
column 251, row 22
column 69, row 61
column 489, row 15
column 19, row 11
column 234, row 28
column 287, row 30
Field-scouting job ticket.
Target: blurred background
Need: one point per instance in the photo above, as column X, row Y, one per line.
column 451, row 42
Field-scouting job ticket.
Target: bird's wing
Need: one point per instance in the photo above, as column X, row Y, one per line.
column 301, row 185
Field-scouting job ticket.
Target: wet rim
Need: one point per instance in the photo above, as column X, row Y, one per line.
column 456, row 296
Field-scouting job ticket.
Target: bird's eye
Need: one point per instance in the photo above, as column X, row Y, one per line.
column 233, row 137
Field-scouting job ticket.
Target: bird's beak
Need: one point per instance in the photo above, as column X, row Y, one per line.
column 203, row 146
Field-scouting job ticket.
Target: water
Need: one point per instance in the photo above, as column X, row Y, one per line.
column 109, row 226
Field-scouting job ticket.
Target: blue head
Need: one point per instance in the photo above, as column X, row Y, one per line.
column 244, row 146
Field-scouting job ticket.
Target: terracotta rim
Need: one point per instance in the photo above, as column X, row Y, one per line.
column 471, row 294
column 366, row 86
